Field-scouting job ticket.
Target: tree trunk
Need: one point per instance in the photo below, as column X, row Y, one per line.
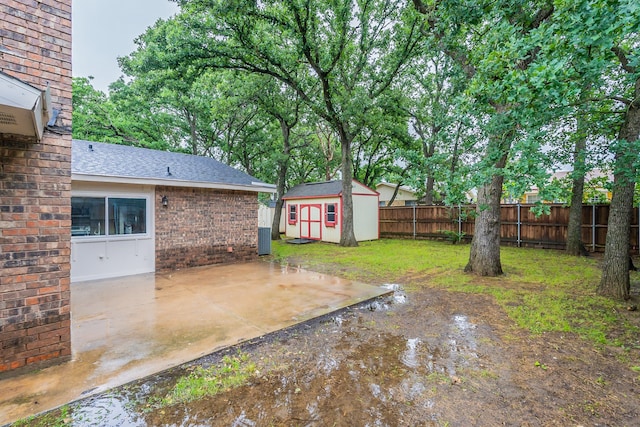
column 428, row 195
column 484, row 257
column 275, row 225
column 395, row 194
column 283, row 163
column 348, row 237
column 454, row 154
column 574, row 228
column 615, row 267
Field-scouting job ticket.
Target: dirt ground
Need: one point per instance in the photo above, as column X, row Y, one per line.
column 421, row 358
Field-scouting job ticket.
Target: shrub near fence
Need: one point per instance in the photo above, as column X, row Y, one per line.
column 519, row 226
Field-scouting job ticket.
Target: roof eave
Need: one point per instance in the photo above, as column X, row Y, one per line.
column 319, row 196
column 258, row 187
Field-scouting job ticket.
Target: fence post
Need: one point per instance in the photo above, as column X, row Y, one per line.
column 519, row 221
column 638, row 229
column 459, row 220
column 414, row 222
column 593, row 227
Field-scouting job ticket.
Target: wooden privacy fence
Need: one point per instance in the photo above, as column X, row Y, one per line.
column 519, row 226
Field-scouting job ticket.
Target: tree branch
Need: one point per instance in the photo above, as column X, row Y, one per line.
column 624, row 61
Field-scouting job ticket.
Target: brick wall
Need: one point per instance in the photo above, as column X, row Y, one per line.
column 203, row 226
column 35, row 191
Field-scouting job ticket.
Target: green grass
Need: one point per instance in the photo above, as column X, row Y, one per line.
column 57, row 418
column 207, row 382
column 541, row 290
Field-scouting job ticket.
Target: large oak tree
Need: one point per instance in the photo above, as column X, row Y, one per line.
column 340, row 57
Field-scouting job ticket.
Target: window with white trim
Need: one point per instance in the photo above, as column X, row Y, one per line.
column 331, row 214
column 108, row 216
column 293, row 214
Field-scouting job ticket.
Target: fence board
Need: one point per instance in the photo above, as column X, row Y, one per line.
column 519, row 225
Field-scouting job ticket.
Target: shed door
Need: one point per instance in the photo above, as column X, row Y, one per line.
column 311, row 222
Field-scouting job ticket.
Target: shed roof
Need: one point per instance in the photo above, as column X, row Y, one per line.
column 102, row 162
column 315, row 189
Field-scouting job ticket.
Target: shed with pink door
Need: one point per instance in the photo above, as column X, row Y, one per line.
column 314, row 211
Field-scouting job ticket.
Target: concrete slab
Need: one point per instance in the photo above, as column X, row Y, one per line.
column 127, row 328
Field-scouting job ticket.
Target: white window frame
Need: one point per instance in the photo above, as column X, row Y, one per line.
column 117, row 195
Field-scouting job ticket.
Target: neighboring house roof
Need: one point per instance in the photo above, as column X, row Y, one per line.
column 387, row 190
column 102, row 162
column 393, row 186
column 315, row 189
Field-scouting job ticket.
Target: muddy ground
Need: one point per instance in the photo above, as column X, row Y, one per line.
column 421, row 358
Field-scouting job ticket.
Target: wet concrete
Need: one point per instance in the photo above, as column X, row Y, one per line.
column 127, row 328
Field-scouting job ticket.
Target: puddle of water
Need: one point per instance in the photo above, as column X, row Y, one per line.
column 314, row 414
column 413, row 388
column 243, row 421
column 399, row 296
column 338, row 320
column 464, row 336
column 461, row 343
column 410, row 356
column 327, row 363
column 376, row 391
column 105, row 411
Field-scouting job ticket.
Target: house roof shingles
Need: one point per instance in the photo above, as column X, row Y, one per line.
column 315, row 189
column 98, row 159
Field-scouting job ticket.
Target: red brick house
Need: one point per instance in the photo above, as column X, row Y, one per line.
column 121, row 210
column 35, row 182
column 135, row 210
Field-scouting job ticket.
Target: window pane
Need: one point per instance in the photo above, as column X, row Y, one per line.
column 87, row 216
column 331, row 213
column 127, row 216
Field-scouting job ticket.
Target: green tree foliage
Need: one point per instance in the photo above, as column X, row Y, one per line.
column 340, row 57
column 601, row 40
column 442, row 135
column 122, row 118
column 496, row 44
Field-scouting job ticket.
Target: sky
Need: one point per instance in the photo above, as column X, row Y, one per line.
column 103, row 30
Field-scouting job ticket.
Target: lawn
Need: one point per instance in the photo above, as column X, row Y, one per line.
column 541, row 290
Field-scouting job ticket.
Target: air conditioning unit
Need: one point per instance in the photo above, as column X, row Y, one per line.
column 24, row 109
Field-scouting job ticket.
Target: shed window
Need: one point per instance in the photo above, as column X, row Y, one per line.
column 293, row 214
column 105, row 216
column 330, row 214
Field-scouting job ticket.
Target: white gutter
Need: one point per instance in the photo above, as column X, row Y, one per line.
column 257, row 187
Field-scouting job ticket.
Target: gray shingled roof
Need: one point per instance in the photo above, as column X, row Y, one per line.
column 313, row 189
column 123, row 161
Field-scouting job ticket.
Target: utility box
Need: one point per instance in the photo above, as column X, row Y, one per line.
column 264, row 241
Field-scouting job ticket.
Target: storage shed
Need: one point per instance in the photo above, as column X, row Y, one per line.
column 314, row 211
column 135, row 210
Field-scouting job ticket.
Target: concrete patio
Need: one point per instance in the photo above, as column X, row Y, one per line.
column 127, row 328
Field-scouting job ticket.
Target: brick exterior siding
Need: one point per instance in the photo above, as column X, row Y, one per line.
column 203, row 226
column 35, row 192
